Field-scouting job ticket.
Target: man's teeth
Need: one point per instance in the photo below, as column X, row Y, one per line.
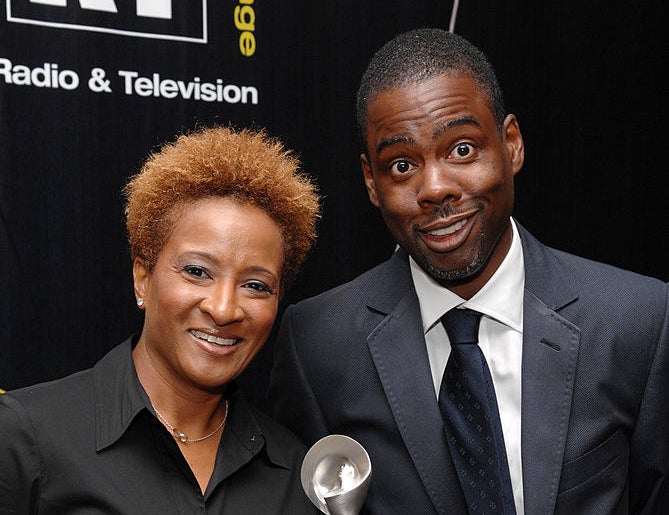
column 213, row 339
column 450, row 229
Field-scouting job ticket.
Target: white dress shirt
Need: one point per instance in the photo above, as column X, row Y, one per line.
column 500, row 340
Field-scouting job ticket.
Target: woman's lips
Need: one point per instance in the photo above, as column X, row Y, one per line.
column 214, row 339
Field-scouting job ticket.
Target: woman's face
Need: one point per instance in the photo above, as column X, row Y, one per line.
column 212, row 297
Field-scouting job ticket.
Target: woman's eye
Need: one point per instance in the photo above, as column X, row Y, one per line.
column 196, row 271
column 462, row 150
column 258, row 286
column 400, row 167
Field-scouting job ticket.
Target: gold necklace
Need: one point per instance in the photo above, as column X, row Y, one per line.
column 181, row 436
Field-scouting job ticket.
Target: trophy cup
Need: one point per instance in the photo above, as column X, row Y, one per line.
column 335, row 475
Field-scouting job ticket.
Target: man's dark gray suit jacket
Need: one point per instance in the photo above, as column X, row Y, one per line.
column 595, row 404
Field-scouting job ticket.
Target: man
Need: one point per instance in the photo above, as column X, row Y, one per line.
column 576, row 350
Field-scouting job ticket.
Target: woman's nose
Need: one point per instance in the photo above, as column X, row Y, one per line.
column 222, row 304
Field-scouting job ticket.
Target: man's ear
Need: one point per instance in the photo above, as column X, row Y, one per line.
column 140, row 278
column 369, row 179
column 513, row 139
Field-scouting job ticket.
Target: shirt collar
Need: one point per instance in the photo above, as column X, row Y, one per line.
column 500, row 298
column 248, row 428
column 120, row 397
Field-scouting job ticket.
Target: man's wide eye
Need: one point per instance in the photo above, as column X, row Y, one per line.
column 462, row 150
column 401, row 167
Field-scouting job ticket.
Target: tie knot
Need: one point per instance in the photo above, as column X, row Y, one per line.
column 462, row 325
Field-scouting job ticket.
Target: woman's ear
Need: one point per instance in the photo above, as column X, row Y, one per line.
column 140, row 276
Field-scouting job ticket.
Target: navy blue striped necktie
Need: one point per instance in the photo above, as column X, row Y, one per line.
column 471, row 419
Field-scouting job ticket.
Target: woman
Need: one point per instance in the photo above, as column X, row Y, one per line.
column 218, row 222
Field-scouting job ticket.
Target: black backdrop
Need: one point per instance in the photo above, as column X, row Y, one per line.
column 582, row 77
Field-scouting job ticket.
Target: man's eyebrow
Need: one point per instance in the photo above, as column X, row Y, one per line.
column 394, row 140
column 456, row 122
column 401, row 138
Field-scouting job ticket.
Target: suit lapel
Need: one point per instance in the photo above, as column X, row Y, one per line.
column 397, row 346
column 550, row 353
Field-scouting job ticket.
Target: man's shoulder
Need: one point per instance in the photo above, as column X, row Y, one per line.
column 547, row 267
column 358, row 290
column 587, row 270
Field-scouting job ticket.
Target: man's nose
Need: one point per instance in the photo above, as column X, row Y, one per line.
column 438, row 184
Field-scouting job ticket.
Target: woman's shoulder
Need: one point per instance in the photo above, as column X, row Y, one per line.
column 50, row 395
column 71, row 390
column 44, row 412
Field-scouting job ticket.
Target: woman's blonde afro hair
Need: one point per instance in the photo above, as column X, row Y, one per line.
column 246, row 165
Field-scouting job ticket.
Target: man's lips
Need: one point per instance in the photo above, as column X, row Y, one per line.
column 446, row 235
column 450, row 229
column 214, row 339
column 445, row 226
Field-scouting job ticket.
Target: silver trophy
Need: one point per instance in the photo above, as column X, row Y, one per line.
column 335, row 475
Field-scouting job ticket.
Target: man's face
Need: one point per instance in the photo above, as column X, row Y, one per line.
column 442, row 176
